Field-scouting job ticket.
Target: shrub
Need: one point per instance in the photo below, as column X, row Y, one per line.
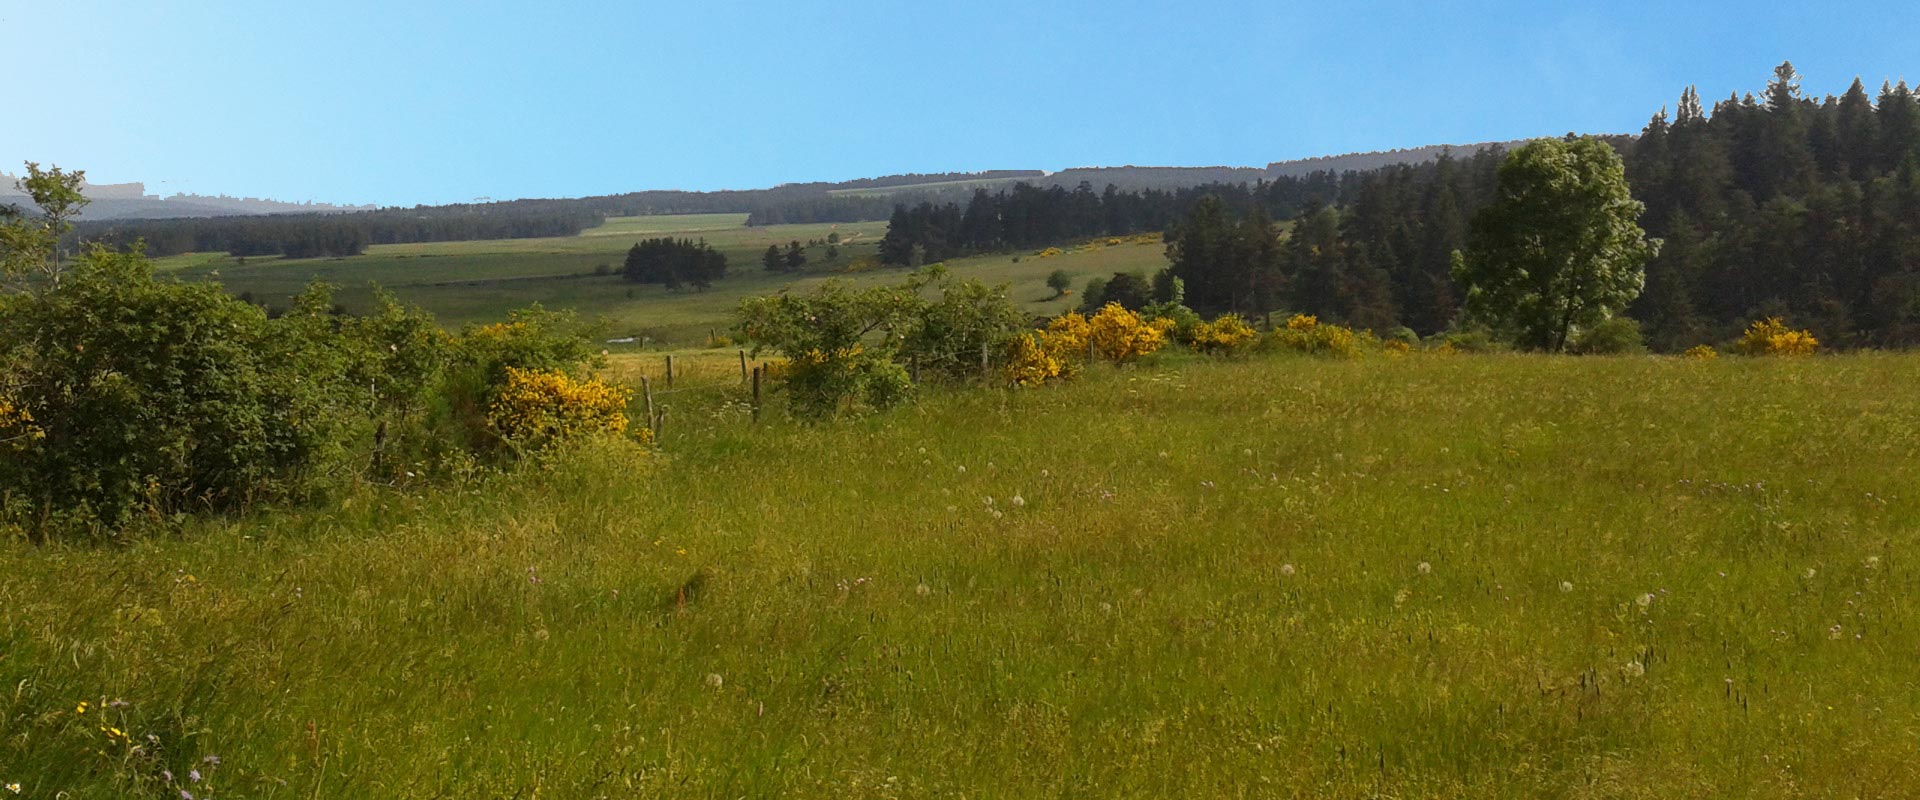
column 478, row 366
column 142, row 397
column 1613, row 336
column 1701, row 352
column 1030, row 362
column 1305, row 334
column 1772, row 337
column 1060, row 281
column 840, row 343
column 948, row 336
column 536, row 408
column 1120, row 335
column 1469, row 340
column 1225, row 335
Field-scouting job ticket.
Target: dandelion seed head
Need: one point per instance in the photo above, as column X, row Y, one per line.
column 1644, row 600
column 1018, row 501
column 923, row 590
column 1287, row 570
column 1425, row 568
column 1634, row 669
column 714, row 680
column 1566, row 586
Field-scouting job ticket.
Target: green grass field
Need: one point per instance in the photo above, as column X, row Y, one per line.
column 1489, row 576
column 481, row 281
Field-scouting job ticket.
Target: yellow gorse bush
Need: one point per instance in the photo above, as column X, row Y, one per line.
column 1772, row 337
column 1030, row 362
column 1701, row 352
column 500, row 331
column 1118, row 334
column 537, row 407
column 1067, row 334
column 1226, row 335
column 1305, row 334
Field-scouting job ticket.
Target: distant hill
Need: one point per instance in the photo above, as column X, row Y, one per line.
column 118, row 201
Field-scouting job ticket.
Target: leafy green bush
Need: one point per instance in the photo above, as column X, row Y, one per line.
column 161, row 398
column 1613, row 336
column 1469, row 340
column 840, row 343
column 948, row 336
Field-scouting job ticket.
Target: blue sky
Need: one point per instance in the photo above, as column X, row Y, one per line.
column 427, row 101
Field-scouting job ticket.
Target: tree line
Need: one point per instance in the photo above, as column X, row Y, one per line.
column 1776, row 204
column 336, row 235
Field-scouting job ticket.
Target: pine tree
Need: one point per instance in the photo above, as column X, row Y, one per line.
column 1857, row 132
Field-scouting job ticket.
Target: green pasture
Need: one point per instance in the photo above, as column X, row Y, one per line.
column 1431, row 576
column 481, row 281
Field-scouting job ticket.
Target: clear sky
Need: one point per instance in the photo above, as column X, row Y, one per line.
column 427, row 101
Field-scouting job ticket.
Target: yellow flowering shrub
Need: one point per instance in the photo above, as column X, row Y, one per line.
column 1118, row 334
column 1772, row 337
column 1701, row 352
column 1396, row 347
column 1067, row 335
column 500, row 331
column 1049, row 252
column 1030, row 362
column 537, row 407
column 1227, row 334
column 1305, row 334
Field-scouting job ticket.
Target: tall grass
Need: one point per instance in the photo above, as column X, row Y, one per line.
column 1642, row 578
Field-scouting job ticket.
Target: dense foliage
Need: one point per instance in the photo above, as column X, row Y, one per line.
column 128, row 397
column 1776, row 205
column 674, row 263
column 1559, row 249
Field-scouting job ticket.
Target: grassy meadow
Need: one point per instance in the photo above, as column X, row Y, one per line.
column 481, row 281
column 1487, row 576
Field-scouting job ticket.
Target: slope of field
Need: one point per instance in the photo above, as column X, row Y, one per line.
column 1423, row 577
column 481, row 281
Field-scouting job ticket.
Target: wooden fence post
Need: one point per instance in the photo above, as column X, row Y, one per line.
column 669, row 372
column 646, row 390
column 756, row 394
column 743, row 365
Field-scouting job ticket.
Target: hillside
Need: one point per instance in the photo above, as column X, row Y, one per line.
column 126, row 201
column 1488, row 577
